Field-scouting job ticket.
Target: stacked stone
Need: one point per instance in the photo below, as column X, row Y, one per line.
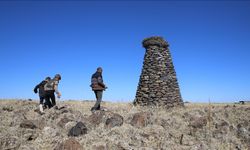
column 158, row 84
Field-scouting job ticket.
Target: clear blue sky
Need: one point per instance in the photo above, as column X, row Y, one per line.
column 209, row 42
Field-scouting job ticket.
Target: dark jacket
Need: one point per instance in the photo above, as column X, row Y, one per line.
column 97, row 82
column 40, row 87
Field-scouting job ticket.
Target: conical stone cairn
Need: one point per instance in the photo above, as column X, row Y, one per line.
column 158, row 85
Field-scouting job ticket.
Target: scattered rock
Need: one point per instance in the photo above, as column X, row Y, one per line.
column 247, row 109
column 109, row 118
column 115, row 120
column 69, row 144
column 8, row 108
column 69, row 125
column 37, row 110
column 96, row 118
column 63, row 121
column 184, row 129
column 140, row 119
column 78, row 129
column 28, row 124
column 63, row 109
column 52, row 114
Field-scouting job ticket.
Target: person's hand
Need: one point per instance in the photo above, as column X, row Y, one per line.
column 58, row 95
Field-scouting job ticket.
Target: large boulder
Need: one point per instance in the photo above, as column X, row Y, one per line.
column 114, row 120
column 78, row 129
column 96, row 118
column 109, row 118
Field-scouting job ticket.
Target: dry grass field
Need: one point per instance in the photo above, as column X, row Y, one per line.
column 193, row 127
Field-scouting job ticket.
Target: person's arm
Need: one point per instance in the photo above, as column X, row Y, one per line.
column 37, row 86
column 56, row 90
column 35, row 89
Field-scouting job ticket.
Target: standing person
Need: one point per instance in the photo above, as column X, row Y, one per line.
column 51, row 87
column 97, row 86
column 40, row 87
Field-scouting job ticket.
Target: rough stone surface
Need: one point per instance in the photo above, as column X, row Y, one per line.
column 63, row 121
column 140, row 119
column 96, row 118
column 158, row 84
column 78, row 129
column 115, row 120
column 69, row 144
column 27, row 124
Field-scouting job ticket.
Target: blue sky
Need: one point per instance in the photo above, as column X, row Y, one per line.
column 209, row 43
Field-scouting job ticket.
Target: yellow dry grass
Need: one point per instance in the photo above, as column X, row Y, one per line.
column 167, row 128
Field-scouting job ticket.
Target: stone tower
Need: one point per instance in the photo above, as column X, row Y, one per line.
column 158, row 84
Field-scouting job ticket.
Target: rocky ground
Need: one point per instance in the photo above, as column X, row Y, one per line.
column 72, row 126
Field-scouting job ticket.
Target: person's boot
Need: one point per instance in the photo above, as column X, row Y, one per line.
column 92, row 110
column 41, row 108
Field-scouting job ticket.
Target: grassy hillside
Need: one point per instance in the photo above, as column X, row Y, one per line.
column 196, row 126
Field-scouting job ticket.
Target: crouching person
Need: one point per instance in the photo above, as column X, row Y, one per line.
column 50, row 88
column 40, row 87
